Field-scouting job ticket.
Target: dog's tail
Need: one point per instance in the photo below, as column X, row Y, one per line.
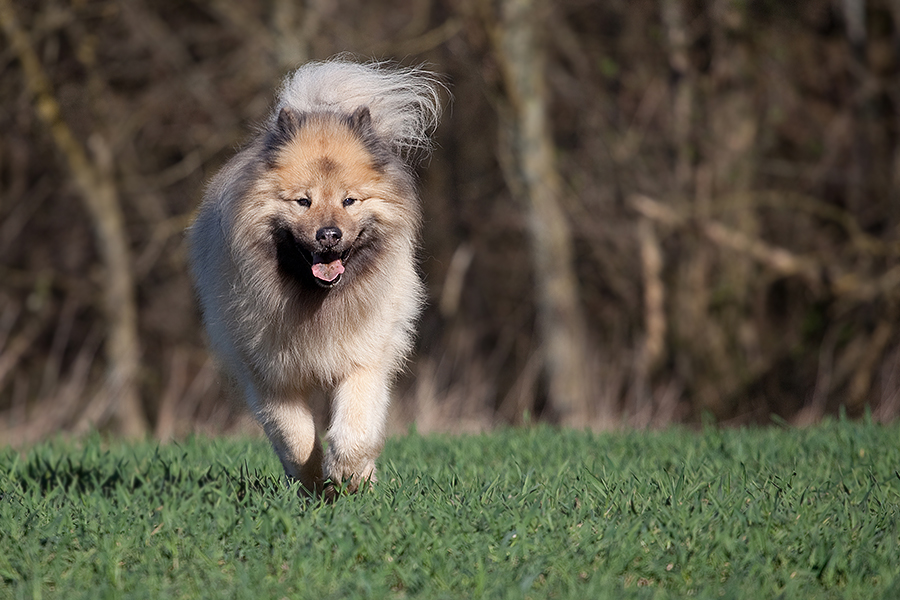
column 404, row 101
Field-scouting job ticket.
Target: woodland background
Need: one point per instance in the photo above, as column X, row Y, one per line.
column 639, row 212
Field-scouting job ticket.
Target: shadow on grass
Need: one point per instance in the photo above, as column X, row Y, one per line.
column 99, row 474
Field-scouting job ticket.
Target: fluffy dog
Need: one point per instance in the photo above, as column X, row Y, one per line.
column 302, row 254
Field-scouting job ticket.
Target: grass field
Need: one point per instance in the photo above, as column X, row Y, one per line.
column 530, row 513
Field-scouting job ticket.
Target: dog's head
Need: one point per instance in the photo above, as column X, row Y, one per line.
column 335, row 194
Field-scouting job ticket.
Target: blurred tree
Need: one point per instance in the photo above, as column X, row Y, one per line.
column 695, row 202
column 533, row 174
column 94, row 179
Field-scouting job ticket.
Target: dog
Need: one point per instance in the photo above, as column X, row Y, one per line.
column 303, row 259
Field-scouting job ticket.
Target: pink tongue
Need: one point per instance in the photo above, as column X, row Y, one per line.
column 328, row 271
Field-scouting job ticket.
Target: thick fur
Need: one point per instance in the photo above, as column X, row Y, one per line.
column 327, row 180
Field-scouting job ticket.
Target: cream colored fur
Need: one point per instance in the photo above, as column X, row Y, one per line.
column 276, row 336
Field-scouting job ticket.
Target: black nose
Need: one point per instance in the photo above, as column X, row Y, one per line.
column 328, row 236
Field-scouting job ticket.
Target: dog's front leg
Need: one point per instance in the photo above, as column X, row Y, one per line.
column 356, row 436
column 290, row 427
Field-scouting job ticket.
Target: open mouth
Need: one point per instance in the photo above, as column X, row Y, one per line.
column 327, row 266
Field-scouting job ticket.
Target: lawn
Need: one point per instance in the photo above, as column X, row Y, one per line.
column 518, row 513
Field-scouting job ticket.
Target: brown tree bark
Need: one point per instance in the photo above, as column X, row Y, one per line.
column 94, row 181
column 560, row 319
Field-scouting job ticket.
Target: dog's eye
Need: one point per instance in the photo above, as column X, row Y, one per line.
column 304, row 202
column 349, row 201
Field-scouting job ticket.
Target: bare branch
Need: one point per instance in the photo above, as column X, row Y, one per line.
column 817, row 274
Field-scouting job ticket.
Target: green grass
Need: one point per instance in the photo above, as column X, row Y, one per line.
column 533, row 513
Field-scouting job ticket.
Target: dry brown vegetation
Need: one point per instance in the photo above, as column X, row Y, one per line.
column 639, row 212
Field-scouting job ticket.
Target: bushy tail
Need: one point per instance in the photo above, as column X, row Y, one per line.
column 404, row 102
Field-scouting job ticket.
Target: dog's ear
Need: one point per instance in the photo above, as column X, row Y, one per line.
column 361, row 120
column 360, row 123
column 289, row 121
column 286, row 127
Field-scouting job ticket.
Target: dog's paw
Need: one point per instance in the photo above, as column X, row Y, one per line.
column 348, row 476
column 333, row 491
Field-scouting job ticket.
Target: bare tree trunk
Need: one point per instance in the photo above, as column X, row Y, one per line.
column 732, row 155
column 560, row 317
column 708, row 342
column 95, row 184
column 894, row 194
column 652, row 350
column 684, row 85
